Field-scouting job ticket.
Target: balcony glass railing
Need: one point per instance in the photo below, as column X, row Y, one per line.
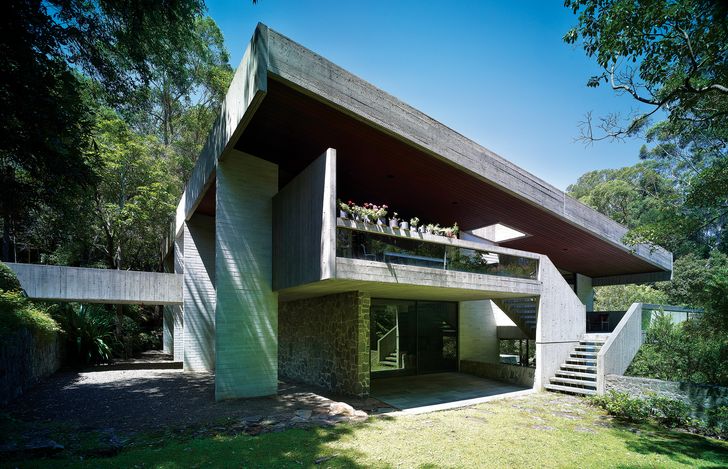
column 366, row 245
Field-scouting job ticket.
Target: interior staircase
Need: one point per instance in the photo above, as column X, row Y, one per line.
column 578, row 374
column 523, row 312
column 390, row 360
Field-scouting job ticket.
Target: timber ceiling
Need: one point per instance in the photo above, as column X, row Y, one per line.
column 291, row 129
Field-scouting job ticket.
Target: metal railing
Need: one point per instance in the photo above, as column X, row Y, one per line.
column 422, row 250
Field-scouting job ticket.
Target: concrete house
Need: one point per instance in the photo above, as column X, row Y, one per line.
column 277, row 285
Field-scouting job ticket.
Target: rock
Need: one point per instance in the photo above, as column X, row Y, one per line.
column 341, row 408
column 43, row 446
column 304, row 414
column 361, row 414
column 253, row 418
column 297, row 419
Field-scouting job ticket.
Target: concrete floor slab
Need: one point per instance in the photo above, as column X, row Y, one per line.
column 439, row 391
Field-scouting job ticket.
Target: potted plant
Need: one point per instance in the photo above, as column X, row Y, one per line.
column 455, row 230
column 413, row 224
column 344, row 208
column 394, row 221
column 380, row 213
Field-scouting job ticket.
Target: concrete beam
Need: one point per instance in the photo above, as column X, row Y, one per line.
column 325, row 81
column 85, row 285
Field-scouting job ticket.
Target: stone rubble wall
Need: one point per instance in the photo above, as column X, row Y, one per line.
column 520, row 375
column 25, row 360
column 699, row 396
column 324, row 341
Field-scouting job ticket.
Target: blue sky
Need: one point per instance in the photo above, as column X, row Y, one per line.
column 496, row 71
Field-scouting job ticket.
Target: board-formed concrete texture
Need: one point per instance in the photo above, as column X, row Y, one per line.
column 86, row 285
column 246, row 314
column 478, row 329
column 199, row 294
column 560, row 325
column 304, row 235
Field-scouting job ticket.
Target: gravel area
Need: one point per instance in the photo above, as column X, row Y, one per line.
column 130, row 401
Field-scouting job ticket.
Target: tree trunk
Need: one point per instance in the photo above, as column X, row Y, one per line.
column 6, row 238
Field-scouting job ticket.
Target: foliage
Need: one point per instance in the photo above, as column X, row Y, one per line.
column 667, row 55
column 621, row 297
column 8, row 279
column 17, row 312
column 45, row 121
column 621, row 405
column 134, row 194
column 691, row 351
column 89, row 332
column 664, row 410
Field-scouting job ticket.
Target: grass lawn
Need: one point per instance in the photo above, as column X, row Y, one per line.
column 540, row 430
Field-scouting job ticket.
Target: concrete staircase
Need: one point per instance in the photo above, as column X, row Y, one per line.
column 578, row 374
column 523, row 312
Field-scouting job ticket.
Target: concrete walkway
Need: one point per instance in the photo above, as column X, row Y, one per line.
column 439, row 391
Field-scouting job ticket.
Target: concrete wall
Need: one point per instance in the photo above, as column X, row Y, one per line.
column 324, row 341
column 25, row 359
column 585, row 291
column 561, row 322
column 478, row 331
column 304, row 225
column 520, row 375
column 52, row 282
column 699, row 397
column 246, row 314
column 620, row 348
column 199, row 294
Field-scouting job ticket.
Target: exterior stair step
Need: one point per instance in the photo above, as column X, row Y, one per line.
column 577, row 382
column 592, row 355
column 588, row 348
column 577, row 374
column 579, row 367
column 581, row 361
column 570, row 389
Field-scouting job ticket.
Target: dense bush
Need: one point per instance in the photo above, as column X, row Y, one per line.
column 17, row 312
column 691, row 351
column 622, row 406
column 8, row 280
column 88, row 333
column 665, row 411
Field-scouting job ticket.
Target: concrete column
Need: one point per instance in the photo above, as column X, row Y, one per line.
column 198, row 294
column 585, row 291
column 478, row 332
column 246, row 316
column 178, row 310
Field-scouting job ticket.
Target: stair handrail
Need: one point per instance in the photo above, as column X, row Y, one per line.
column 620, row 348
column 391, row 341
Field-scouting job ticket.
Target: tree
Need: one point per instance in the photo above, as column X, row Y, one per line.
column 668, row 55
column 45, row 122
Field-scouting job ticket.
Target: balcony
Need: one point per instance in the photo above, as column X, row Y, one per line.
column 357, row 240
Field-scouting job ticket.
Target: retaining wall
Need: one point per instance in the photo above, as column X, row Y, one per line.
column 699, row 396
column 521, row 375
column 26, row 359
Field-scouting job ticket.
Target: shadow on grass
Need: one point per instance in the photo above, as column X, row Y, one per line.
column 291, row 448
column 680, row 447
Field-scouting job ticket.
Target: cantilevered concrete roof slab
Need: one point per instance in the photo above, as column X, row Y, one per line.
column 288, row 104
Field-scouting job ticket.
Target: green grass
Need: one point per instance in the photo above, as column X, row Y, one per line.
column 543, row 430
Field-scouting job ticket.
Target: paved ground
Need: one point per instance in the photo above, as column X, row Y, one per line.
column 145, row 400
column 411, row 392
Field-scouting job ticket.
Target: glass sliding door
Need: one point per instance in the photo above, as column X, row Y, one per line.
column 409, row 337
column 437, row 336
column 393, row 336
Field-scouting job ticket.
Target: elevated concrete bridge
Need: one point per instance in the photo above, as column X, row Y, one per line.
column 85, row 285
